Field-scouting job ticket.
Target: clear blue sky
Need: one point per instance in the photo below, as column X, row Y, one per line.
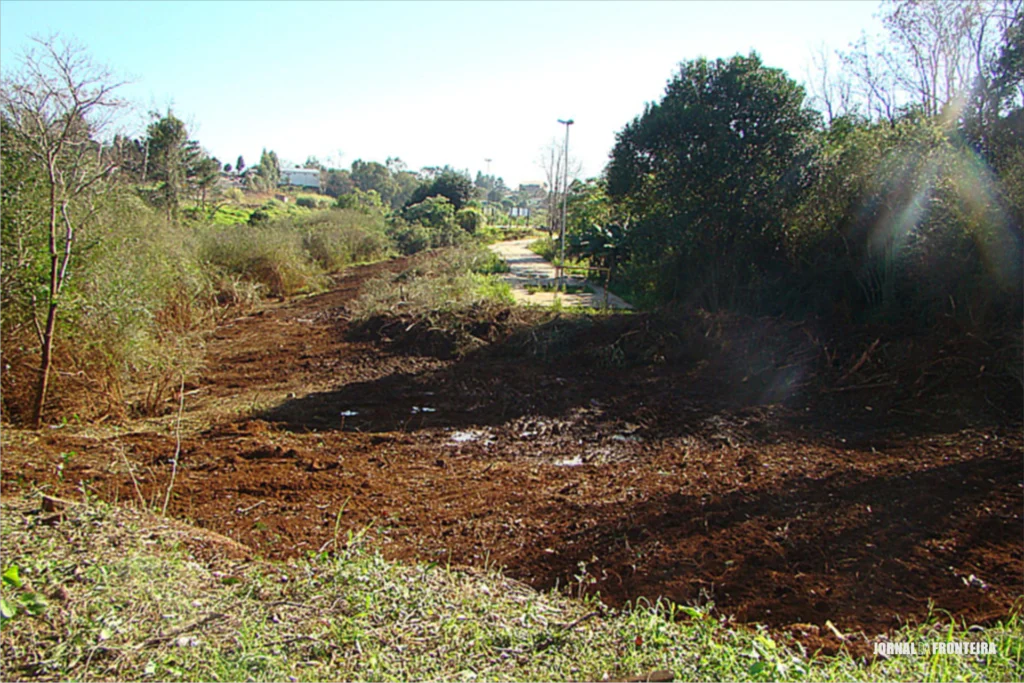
column 433, row 83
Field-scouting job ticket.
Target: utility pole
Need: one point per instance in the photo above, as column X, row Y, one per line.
column 565, row 196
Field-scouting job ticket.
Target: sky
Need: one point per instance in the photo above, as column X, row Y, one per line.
column 433, row 83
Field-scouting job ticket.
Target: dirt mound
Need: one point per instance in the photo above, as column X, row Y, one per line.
column 441, row 334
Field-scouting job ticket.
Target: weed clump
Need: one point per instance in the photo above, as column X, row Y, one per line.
column 446, row 304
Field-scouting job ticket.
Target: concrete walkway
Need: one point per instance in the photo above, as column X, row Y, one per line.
column 529, row 269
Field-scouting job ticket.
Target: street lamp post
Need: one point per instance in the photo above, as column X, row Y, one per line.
column 486, row 199
column 565, row 197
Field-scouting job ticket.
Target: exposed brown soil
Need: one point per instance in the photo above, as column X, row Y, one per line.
column 739, row 476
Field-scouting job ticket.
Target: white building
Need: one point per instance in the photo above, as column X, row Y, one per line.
column 301, row 177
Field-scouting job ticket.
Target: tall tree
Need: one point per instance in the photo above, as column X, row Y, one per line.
column 267, row 174
column 167, row 139
column 338, row 183
column 708, row 173
column 371, row 175
column 179, row 165
column 55, row 106
column 456, row 186
column 552, row 160
column 931, row 56
column 240, row 164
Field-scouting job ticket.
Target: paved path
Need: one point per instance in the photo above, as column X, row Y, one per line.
column 530, row 269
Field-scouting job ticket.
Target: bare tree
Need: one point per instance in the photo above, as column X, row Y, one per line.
column 552, row 162
column 934, row 52
column 56, row 105
column 829, row 89
column 873, row 80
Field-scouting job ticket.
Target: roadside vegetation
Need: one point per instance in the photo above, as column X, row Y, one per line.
column 121, row 254
column 92, row 591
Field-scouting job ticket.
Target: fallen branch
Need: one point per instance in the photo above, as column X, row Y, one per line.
column 858, row 387
column 863, row 359
column 586, row 617
column 251, row 507
column 174, row 633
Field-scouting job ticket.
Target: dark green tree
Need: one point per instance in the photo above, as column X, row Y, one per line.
column 453, row 185
column 179, row 166
column 433, row 212
column 370, row 175
column 706, row 177
column 338, row 183
column 166, row 139
column 406, row 183
column 240, row 164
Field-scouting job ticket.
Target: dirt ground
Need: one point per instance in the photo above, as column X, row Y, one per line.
column 780, row 501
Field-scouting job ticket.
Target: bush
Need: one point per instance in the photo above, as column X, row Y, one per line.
column 270, row 254
column 133, row 317
column 341, row 237
column 546, row 248
column 471, row 220
column 314, row 202
column 433, row 212
column 413, row 238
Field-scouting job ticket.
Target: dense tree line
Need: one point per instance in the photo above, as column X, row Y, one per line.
column 904, row 203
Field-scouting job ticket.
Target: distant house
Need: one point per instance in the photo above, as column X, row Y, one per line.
column 301, row 177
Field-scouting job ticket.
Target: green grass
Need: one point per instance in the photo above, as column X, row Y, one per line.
column 230, row 214
column 126, row 601
column 566, row 289
column 548, row 249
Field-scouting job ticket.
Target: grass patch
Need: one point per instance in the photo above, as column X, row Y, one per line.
column 568, row 288
column 125, row 595
column 230, row 214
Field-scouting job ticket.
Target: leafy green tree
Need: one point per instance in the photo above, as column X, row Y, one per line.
column 406, row 183
column 270, row 169
column 370, row 175
column 433, row 212
column 591, row 231
column 498, row 191
column 240, row 164
column 367, row 202
column 266, row 175
column 456, row 187
column 203, row 174
column 707, row 175
column 338, row 183
column 179, row 166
